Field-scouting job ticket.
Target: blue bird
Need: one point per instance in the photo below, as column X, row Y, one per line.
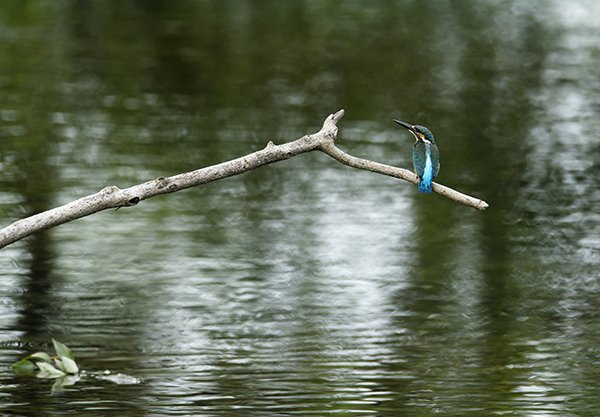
column 426, row 155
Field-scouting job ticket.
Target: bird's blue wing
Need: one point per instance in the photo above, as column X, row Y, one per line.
column 419, row 158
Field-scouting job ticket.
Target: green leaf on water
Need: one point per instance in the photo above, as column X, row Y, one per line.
column 62, row 382
column 23, row 367
column 69, row 365
column 44, row 366
column 62, row 349
column 48, row 371
column 43, row 356
column 59, row 365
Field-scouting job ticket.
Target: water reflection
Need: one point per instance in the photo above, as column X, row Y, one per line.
column 305, row 287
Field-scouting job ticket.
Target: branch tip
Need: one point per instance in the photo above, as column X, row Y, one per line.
column 330, row 122
column 339, row 114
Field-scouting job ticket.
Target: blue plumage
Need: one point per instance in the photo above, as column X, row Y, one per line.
column 426, row 155
column 425, row 184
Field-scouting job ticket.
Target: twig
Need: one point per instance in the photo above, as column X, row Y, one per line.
column 114, row 197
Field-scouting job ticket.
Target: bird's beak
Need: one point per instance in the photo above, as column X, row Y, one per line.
column 405, row 125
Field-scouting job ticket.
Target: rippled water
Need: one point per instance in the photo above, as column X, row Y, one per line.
column 305, row 287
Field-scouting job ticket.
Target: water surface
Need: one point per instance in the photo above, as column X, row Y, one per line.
column 305, row 287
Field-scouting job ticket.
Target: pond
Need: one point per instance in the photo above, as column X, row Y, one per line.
column 304, row 287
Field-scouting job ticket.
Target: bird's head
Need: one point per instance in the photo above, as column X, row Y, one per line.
column 419, row 132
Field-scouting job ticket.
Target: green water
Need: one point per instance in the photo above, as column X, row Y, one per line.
column 305, row 287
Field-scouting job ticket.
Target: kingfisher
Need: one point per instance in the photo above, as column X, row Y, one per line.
column 426, row 155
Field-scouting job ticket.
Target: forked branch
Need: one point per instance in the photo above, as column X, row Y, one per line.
column 114, row 197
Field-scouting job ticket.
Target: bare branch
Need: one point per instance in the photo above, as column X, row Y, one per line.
column 401, row 173
column 114, row 197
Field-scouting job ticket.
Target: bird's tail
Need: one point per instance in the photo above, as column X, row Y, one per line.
column 424, row 186
column 425, row 183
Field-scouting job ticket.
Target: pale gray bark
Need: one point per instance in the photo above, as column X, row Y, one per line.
column 114, row 197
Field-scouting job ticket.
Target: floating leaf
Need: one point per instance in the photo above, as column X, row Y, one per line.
column 63, row 381
column 23, row 367
column 69, row 365
column 43, row 356
column 62, row 349
column 48, row 371
column 59, row 365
